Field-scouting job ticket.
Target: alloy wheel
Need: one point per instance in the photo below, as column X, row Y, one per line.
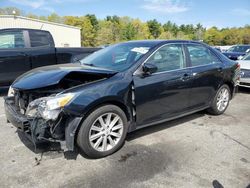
column 106, row 132
column 222, row 99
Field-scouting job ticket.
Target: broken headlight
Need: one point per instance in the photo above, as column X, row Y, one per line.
column 10, row 92
column 48, row 107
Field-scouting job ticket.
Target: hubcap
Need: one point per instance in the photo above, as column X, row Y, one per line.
column 106, row 132
column 222, row 99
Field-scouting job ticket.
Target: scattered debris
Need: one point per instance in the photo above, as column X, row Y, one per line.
column 38, row 161
column 217, row 184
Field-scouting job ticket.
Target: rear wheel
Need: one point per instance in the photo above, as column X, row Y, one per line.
column 103, row 132
column 220, row 101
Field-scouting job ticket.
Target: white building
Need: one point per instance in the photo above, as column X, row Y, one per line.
column 64, row 35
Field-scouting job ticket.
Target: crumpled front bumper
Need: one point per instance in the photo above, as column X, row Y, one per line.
column 32, row 128
column 17, row 119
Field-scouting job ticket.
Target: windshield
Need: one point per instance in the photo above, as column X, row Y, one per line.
column 247, row 57
column 238, row 49
column 118, row 57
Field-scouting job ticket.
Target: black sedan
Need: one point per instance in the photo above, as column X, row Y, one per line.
column 120, row 89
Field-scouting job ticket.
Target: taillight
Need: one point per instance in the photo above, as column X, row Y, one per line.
column 237, row 73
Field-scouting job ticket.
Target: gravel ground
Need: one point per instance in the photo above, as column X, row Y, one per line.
column 199, row 150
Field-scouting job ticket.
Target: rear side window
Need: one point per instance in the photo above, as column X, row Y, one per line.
column 200, row 55
column 11, row 39
column 40, row 39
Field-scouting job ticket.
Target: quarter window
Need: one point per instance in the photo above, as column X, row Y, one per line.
column 12, row 39
column 200, row 55
column 167, row 58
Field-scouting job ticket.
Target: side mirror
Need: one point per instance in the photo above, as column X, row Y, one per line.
column 149, row 68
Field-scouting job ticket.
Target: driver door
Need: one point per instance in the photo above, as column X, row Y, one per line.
column 165, row 93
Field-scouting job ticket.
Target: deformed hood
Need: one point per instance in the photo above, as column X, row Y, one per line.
column 52, row 75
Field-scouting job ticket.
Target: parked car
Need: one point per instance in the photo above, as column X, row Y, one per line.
column 24, row 49
column 236, row 51
column 245, row 71
column 94, row 105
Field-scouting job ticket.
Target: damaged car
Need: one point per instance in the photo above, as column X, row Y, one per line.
column 120, row 89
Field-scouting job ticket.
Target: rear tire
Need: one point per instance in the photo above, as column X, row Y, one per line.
column 103, row 132
column 220, row 101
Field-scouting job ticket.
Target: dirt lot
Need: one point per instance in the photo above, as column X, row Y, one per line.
column 195, row 151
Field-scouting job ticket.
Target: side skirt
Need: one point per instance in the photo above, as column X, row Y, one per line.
column 169, row 119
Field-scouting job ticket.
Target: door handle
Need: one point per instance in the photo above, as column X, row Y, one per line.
column 23, row 54
column 185, row 77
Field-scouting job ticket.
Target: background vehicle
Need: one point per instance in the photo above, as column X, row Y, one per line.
column 120, row 89
column 236, row 51
column 245, row 71
column 25, row 49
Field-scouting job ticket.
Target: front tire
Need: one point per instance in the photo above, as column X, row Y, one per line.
column 220, row 101
column 103, row 132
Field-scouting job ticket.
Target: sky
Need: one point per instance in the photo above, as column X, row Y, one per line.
column 219, row 13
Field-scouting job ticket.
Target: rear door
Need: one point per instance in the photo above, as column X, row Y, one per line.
column 14, row 59
column 207, row 74
column 165, row 93
column 42, row 48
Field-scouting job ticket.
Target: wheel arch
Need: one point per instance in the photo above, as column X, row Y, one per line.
column 231, row 87
column 73, row 128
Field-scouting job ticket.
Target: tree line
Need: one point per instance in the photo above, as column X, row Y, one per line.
column 113, row 29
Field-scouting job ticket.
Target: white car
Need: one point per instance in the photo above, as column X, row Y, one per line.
column 245, row 71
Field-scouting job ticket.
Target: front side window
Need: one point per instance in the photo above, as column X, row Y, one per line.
column 200, row 55
column 167, row 58
column 12, row 39
column 40, row 39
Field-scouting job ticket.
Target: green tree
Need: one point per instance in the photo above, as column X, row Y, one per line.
column 166, row 35
column 213, row 36
column 93, row 20
column 88, row 32
column 129, row 32
column 230, row 37
column 154, row 28
column 55, row 18
column 142, row 30
column 104, row 34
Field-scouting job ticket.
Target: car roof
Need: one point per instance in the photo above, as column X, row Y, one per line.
column 18, row 29
column 157, row 42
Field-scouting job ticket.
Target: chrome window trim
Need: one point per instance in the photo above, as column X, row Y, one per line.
column 137, row 72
